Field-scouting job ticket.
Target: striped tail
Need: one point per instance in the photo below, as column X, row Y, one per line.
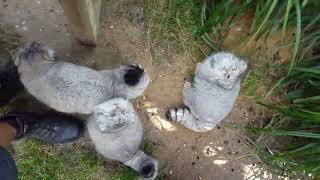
column 185, row 117
column 179, row 114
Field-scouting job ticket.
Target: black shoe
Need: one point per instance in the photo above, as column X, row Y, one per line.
column 48, row 128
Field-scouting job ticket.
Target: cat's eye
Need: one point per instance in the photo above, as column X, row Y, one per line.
column 99, row 114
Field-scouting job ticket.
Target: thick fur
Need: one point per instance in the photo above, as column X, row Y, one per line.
column 212, row 94
column 71, row 88
column 116, row 131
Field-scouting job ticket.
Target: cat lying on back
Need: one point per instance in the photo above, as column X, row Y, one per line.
column 212, row 94
column 116, row 130
column 72, row 88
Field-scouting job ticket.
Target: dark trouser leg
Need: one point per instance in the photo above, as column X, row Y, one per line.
column 8, row 169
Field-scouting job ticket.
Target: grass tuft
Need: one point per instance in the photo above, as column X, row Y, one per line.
column 125, row 173
column 174, row 26
column 39, row 161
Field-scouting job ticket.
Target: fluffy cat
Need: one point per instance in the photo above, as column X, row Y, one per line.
column 116, row 131
column 72, row 88
column 212, row 94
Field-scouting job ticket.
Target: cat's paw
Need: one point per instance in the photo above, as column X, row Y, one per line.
column 133, row 74
column 170, row 114
column 177, row 114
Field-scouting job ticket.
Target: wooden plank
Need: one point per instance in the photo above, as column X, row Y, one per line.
column 83, row 17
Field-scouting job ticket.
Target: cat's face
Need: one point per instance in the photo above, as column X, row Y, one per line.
column 113, row 115
column 32, row 53
column 227, row 68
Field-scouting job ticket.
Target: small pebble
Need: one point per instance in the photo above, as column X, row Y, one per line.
column 111, row 27
column 193, row 163
column 232, row 170
column 239, row 29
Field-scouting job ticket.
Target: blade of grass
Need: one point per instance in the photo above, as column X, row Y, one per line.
column 296, row 113
column 285, row 22
column 295, row 133
column 273, row 5
column 279, row 82
column 313, row 22
column 308, row 70
column 297, row 36
column 307, row 100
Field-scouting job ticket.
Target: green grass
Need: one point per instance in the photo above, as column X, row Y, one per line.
column 125, row 173
column 147, row 146
column 174, row 26
column 298, row 120
column 251, row 83
column 39, row 161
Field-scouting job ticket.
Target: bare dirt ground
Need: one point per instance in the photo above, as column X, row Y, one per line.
column 123, row 38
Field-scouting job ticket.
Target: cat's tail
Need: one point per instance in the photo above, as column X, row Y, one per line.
column 178, row 114
column 185, row 117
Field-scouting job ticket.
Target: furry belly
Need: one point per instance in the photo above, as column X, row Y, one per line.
column 212, row 108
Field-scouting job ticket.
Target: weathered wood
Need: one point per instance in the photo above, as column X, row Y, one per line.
column 83, row 17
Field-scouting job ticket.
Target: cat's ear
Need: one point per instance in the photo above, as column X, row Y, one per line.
column 242, row 66
column 15, row 56
column 49, row 54
column 212, row 61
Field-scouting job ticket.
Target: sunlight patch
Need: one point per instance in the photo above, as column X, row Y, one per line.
column 208, row 151
column 220, row 162
column 159, row 122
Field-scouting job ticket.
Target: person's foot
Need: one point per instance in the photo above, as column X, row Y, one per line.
column 49, row 128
